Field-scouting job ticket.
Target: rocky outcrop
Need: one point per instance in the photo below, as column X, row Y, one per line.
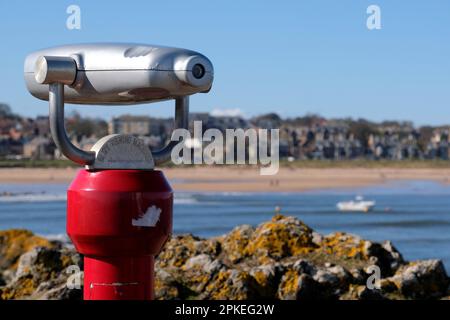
column 14, row 243
column 282, row 258
column 44, row 273
column 420, row 279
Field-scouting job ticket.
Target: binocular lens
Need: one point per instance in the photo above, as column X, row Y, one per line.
column 198, row 71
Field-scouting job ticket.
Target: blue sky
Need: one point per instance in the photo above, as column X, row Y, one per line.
column 290, row 57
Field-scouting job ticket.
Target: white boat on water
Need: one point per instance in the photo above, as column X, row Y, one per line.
column 357, row 205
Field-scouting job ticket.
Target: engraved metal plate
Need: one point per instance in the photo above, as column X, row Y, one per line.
column 119, row 151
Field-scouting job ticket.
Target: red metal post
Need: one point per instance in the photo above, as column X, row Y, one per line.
column 119, row 220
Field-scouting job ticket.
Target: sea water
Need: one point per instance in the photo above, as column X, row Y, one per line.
column 414, row 215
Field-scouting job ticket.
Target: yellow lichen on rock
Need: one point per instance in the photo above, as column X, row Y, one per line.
column 26, row 288
column 344, row 245
column 195, row 278
column 266, row 278
column 14, row 243
column 164, row 286
column 180, row 248
column 279, row 238
column 230, row 285
column 235, row 242
column 261, row 277
column 289, row 285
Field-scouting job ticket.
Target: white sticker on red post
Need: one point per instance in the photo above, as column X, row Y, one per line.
column 149, row 219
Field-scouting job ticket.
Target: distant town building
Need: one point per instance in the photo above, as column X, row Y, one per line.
column 39, row 148
column 127, row 124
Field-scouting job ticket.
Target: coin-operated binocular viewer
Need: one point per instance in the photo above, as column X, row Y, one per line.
column 119, row 208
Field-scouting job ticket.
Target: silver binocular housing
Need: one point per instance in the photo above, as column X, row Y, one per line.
column 118, row 74
column 115, row 74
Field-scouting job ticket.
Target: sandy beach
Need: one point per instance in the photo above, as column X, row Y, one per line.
column 248, row 179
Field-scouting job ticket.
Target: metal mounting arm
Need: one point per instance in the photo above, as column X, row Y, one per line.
column 56, row 72
column 59, row 71
column 181, row 121
column 56, row 101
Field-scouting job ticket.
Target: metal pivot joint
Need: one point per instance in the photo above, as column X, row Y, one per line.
column 60, row 71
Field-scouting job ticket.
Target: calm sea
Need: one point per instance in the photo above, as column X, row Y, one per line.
column 415, row 215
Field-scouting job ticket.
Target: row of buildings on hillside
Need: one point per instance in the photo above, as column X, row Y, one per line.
column 320, row 140
column 323, row 142
column 301, row 138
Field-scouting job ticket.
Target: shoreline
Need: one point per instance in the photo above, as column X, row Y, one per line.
column 240, row 179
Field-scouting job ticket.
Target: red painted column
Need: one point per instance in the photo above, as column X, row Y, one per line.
column 118, row 278
column 119, row 220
